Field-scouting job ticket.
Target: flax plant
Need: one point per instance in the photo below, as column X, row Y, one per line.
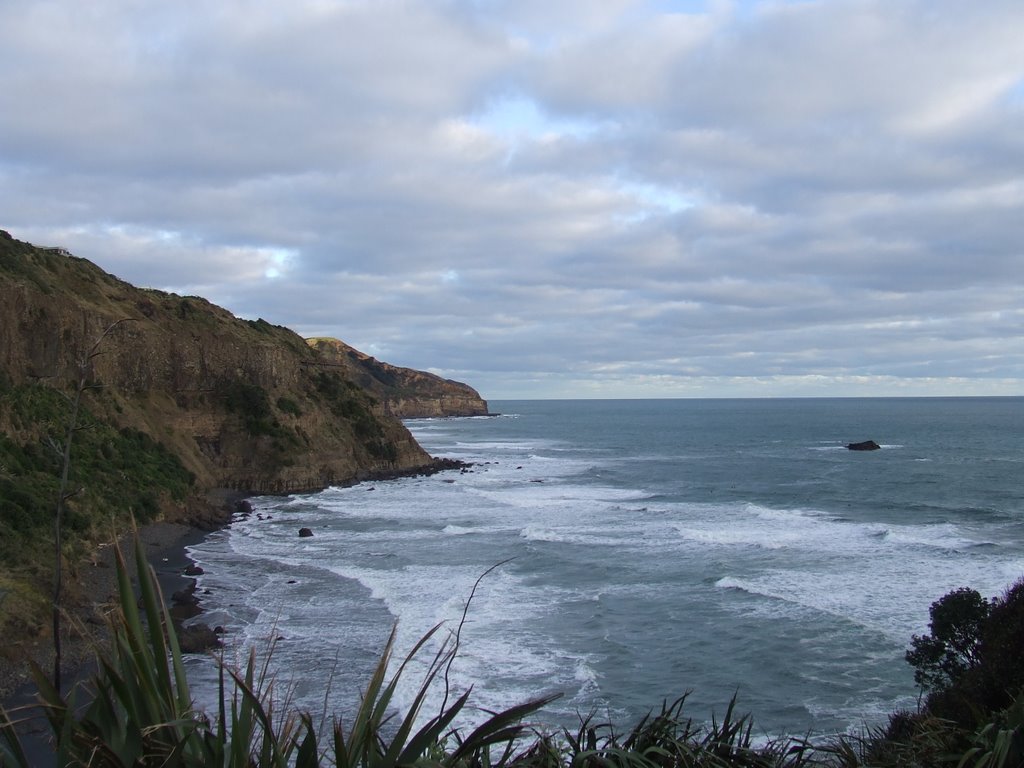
column 1000, row 742
column 137, row 710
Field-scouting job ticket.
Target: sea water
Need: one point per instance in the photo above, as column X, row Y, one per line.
column 623, row 553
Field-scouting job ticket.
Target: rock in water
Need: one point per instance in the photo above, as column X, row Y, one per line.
column 305, row 533
column 867, row 445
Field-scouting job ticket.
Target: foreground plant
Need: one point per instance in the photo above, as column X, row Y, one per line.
column 670, row 738
column 139, row 709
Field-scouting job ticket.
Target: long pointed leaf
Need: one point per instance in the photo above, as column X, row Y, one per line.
column 488, row 732
column 11, row 751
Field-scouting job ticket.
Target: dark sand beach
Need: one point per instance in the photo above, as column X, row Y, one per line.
column 164, row 545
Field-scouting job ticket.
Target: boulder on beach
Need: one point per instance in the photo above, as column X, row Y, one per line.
column 197, row 638
column 305, row 533
column 867, row 445
column 186, row 596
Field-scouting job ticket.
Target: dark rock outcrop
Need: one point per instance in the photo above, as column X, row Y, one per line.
column 198, row 638
column 867, row 445
column 305, row 533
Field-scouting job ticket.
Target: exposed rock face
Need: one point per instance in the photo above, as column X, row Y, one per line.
column 245, row 405
column 867, row 445
column 404, row 392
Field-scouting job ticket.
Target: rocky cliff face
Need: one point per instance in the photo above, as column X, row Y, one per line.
column 404, row 392
column 243, row 404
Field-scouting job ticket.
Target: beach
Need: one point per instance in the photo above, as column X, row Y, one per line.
column 164, row 544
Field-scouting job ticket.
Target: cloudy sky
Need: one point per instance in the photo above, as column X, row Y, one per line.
column 581, row 198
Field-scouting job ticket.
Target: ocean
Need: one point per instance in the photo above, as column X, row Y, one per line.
column 624, row 552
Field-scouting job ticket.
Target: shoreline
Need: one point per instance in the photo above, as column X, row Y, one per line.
column 164, row 544
column 165, row 547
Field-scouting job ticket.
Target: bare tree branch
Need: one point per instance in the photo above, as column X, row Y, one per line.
column 82, row 386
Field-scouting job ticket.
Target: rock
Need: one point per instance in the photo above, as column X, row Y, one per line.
column 182, row 611
column 186, row 596
column 191, row 381
column 305, row 533
column 194, row 570
column 197, row 638
column 867, row 445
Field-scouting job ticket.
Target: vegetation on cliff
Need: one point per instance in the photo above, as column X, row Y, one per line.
column 970, row 667
column 119, row 474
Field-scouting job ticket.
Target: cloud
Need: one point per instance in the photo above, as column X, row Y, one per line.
column 623, row 199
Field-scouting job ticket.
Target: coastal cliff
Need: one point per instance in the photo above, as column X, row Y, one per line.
column 244, row 405
column 182, row 401
column 404, row 392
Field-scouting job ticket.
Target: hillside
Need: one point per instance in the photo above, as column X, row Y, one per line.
column 404, row 392
column 184, row 400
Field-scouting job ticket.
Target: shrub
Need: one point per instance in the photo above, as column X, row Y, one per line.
column 251, row 402
column 972, row 664
column 114, row 473
column 951, row 649
column 1001, row 649
column 289, row 406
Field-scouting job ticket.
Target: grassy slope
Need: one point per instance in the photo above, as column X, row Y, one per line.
column 116, row 474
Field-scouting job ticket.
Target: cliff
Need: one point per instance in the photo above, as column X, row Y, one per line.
column 183, row 399
column 243, row 404
column 404, row 392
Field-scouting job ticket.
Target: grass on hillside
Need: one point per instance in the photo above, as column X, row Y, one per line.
column 117, row 475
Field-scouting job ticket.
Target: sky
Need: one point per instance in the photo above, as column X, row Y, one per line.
column 572, row 199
